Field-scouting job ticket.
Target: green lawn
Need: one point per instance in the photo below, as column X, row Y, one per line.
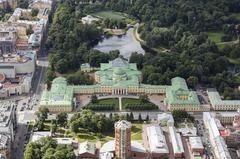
column 109, row 101
column 111, row 15
column 126, row 101
column 82, row 137
column 136, row 132
column 215, row 36
column 92, row 137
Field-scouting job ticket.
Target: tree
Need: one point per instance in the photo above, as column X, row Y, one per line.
column 53, row 126
column 192, row 81
column 110, row 116
column 47, row 148
column 42, row 113
column 94, row 99
column 50, row 75
column 34, row 12
column 79, row 78
column 128, row 117
column 131, row 117
column 140, row 118
column 29, row 152
column 29, row 30
column 39, row 125
column 61, row 118
column 147, row 118
column 23, row 4
column 179, row 115
column 74, row 126
column 143, row 98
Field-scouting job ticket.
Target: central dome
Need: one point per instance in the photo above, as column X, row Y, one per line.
column 119, row 74
column 119, row 71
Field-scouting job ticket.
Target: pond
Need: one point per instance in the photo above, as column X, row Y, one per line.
column 126, row 44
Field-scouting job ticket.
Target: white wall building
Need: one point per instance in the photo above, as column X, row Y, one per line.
column 89, row 19
column 217, row 142
column 157, row 142
column 7, row 119
column 177, row 144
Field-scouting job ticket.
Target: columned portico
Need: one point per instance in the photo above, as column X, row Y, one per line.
column 119, row 91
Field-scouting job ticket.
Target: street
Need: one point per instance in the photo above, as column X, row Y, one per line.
column 18, row 146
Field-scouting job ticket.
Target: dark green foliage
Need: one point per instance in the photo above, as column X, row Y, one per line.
column 79, row 78
column 23, row 4
column 61, row 118
column 47, row 148
column 29, row 30
column 181, row 115
column 34, row 12
column 100, row 107
column 94, row 99
column 131, row 117
column 140, row 118
column 141, row 106
column 110, row 23
column 91, row 122
column 42, row 115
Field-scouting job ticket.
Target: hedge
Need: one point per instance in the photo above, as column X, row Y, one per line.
column 141, row 106
column 100, row 107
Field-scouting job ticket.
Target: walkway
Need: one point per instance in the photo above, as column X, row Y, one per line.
column 120, row 103
column 136, row 35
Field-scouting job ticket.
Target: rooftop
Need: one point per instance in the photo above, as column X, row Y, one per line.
column 6, row 110
column 123, row 124
column 196, row 142
column 156, row 139
column 3, row 141
column 188, row 131
column 87, row 147
column 179, row 94
column 110, row 147
column 215, row 99
column 40, row 134
column 165, row 116
column 222, row 148
column 176, row 141
column 60, row 93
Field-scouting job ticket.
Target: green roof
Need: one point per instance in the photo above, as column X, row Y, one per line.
column 60, row 93
column 119, row 73
column 215, row 99
column 178, row 89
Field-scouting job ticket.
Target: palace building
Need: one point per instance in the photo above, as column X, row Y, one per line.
column 118, row 77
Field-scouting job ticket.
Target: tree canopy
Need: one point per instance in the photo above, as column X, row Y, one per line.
column 47, row 148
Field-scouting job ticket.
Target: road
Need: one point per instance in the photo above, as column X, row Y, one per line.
column 18, row 146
